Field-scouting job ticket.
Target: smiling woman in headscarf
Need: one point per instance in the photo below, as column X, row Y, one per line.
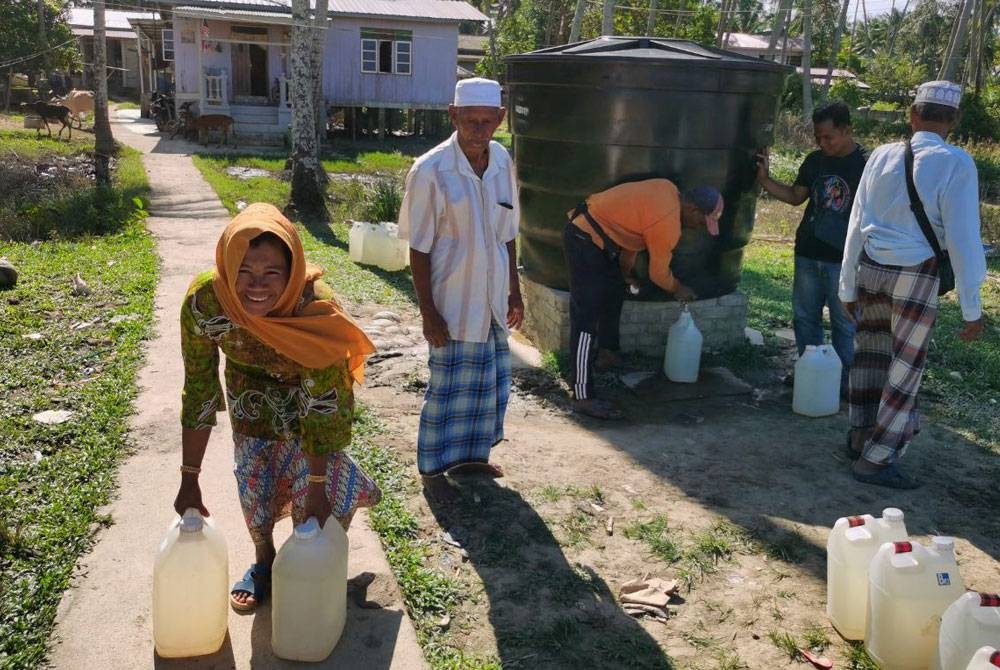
column 291, row 361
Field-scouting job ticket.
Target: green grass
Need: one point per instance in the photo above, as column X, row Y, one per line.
column 858, row 658
column 785, row 642
column 428, row 594
column 24, row 143
column 325, row 244
column 964, row 401
column 68, row 206
column 53, row 479
column 59, row 351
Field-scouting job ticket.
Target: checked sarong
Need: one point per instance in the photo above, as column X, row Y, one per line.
column 897, row 307
column 464, row 406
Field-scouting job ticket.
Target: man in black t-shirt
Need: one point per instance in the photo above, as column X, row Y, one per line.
column 828, row 178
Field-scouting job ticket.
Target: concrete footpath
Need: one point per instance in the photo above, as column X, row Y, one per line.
column 104, row 620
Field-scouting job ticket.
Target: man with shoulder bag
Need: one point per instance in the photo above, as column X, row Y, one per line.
column 913, row 235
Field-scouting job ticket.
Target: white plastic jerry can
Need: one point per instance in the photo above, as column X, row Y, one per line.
column 817, row 382
column 969, row 623
column 190, row 588
column 683, row 355
column 850, row 548
column 309, row 582
column 360, row 234
column 985, row 658
column 910, row 587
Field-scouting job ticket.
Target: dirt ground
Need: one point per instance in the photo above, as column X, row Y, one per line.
column 740, row 473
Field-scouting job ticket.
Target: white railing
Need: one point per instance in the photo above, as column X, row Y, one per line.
column 215, row 91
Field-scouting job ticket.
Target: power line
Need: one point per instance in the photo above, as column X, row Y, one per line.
column 36, row 54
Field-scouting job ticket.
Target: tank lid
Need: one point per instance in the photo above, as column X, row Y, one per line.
column 308, row 529
column 191, row 522
column 648, row 48
column 892, row 514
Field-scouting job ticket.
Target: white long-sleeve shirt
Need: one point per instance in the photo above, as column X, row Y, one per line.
column 464, row 222
column 883, row 225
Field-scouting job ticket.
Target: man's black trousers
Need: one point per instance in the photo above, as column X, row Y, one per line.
column 596, row 295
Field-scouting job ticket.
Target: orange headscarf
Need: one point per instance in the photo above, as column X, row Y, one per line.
column 316, row 337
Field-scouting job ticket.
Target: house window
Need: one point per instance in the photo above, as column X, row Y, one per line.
column 386, row 51
column 168, row 44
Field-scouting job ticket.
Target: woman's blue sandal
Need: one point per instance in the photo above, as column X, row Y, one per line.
column 256, row 582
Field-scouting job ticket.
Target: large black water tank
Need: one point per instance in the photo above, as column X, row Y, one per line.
column 589, row 115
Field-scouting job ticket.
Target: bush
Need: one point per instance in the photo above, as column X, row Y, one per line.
column 62, row 201
column 382, row 201
column 848, row 92
column 989, row 216
column 976, row 122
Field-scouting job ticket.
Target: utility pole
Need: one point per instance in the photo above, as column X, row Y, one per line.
column 651, row 21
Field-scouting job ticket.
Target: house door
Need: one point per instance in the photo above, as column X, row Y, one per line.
column 250, row 70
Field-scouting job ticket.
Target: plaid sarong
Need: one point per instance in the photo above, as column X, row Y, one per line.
column 897, row 308
column 271, row 479
column 464, row 406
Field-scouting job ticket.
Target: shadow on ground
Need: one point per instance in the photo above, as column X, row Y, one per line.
column 544, row 611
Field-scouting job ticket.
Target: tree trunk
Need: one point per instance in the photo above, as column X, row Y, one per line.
column 43, row 42
column 868, row 34
column 720, row 30
column 950, row 65
column 322, row 21
column 651, row 21
column 894, row 30
column 985, row 25
column 306, row 196
column 608, row 18
column 778, row 25
column 574, row 31
column 104, row 141
column 807, row 101
column 835, row 51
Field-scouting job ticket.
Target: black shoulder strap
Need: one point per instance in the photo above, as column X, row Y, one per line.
column 918, row 206
column 610, row 246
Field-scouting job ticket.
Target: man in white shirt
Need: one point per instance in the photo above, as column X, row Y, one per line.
column 460, row 214
column 889, row 279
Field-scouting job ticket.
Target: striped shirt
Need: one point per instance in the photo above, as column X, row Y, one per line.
column 884, row 227
column 464, row 223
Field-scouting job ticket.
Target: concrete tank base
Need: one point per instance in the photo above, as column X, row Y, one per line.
column 644, row 325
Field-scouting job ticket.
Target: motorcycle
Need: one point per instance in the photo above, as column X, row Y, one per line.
column 161, row 107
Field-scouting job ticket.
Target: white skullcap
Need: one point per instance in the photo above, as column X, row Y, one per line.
column 477, row 92
column 940, row 93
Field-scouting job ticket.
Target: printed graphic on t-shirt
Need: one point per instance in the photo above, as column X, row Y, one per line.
column 832, row 198
column 832, row 193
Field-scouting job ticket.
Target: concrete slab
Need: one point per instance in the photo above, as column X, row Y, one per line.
column 712, row 383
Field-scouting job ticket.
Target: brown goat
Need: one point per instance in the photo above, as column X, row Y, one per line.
column 48, row 113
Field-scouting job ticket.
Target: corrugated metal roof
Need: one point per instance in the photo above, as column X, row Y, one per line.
column 83, row 17
column 451, row 11
column 108, row 34
column 214, row 12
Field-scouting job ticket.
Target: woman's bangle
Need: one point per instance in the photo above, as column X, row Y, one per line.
column 316, row 479
column 190, row 469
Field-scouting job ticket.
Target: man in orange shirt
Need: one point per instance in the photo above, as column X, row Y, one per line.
column 601, row 240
